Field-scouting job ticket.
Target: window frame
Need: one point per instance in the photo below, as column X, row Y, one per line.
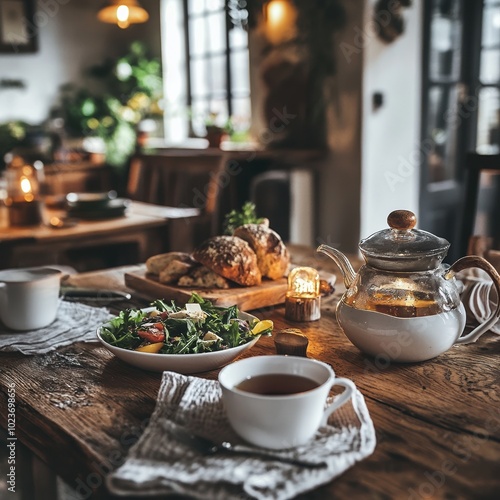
column 230, row 93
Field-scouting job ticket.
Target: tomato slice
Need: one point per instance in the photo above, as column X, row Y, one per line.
column 152, row 335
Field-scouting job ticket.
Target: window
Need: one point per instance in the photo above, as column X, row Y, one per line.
column 460, row 105
column 488, row 84
column 206, row 66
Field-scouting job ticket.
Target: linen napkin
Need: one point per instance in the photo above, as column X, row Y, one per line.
column 74, row 323
column 479, row 297
column 158, row 464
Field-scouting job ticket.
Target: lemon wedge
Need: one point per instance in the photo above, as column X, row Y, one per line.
column 261, row 326
column 151, row 347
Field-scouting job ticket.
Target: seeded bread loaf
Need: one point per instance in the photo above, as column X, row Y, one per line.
column 174, row 270
column 157, row 263
column 272, row 255
column 202, row 277
column 230, row 257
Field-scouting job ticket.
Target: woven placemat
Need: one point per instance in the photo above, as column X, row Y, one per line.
column 159, row 464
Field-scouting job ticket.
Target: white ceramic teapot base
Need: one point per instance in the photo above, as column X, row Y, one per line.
column 403, row 340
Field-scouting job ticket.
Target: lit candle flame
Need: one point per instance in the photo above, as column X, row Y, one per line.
column 303, row 282
column 302, row 286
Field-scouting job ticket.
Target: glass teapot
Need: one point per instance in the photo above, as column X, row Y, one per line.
column 404, row 304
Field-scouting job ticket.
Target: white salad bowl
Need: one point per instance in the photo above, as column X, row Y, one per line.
column 181, row 363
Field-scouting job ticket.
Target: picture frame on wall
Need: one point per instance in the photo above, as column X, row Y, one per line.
column 18, row 30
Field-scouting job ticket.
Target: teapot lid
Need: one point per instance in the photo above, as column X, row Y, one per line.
column 403, row 248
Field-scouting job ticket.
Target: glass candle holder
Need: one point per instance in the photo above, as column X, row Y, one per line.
column 303, row 298
column 23, row 193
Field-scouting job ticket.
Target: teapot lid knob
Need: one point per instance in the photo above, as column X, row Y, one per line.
column 402, row 220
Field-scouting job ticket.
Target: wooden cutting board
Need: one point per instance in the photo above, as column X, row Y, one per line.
column 269, row 293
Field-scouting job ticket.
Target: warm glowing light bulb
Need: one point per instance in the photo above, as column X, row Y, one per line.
column 281, row 21
column 122, row 16
column 25, row 185
column 276, row 12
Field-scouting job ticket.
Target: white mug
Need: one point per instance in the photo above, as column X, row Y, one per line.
column 29, row 297
column 280, row 421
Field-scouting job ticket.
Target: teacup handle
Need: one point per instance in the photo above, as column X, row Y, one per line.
column 479, row 262
column 344, row 397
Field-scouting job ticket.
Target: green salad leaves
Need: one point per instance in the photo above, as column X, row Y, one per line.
column 170, row 329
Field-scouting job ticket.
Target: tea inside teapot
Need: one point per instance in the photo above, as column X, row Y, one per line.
column 408, row 306
column 403, row 295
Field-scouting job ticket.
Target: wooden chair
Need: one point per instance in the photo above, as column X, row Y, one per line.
column 182, row 179
column 475, row 164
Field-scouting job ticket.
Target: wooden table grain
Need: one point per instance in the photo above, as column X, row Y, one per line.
column 438, row 422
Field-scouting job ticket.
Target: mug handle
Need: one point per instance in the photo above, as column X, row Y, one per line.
column 479, row 262
column 340, row 401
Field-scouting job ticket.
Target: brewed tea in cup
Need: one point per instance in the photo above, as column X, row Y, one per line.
column 278, row 402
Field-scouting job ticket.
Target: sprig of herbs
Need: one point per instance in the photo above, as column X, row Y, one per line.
column 236, row 218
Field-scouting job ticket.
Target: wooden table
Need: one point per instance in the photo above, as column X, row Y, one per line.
column 438, row 423
column 143, row 227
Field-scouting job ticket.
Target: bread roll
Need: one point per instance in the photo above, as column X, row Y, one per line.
column 202, row 277
column 157, row 263
column 174, row 270
column 272, row 255
column 230, row 257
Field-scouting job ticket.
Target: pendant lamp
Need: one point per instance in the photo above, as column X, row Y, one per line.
column 123, row 13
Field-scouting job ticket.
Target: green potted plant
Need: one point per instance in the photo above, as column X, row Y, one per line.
column 132, row 91
column 12, row 134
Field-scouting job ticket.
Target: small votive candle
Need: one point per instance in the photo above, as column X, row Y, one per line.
column 23, row 201
column 303, row 298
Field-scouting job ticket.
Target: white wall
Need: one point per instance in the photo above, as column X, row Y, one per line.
column 391, row 134
column 70, row 40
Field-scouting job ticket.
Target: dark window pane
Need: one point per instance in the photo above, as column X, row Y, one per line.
column 488, row 123
column 488, row 208
column 445, row 47
column 441, row 133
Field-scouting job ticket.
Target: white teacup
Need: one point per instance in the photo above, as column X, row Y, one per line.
column 29, row 297
column 278, row 420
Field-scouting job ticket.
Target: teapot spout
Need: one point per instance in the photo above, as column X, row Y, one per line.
column 342, row 261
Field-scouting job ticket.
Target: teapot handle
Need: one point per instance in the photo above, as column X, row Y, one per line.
column 479, row 262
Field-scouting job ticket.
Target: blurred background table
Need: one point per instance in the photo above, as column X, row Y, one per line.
column 92, row 244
